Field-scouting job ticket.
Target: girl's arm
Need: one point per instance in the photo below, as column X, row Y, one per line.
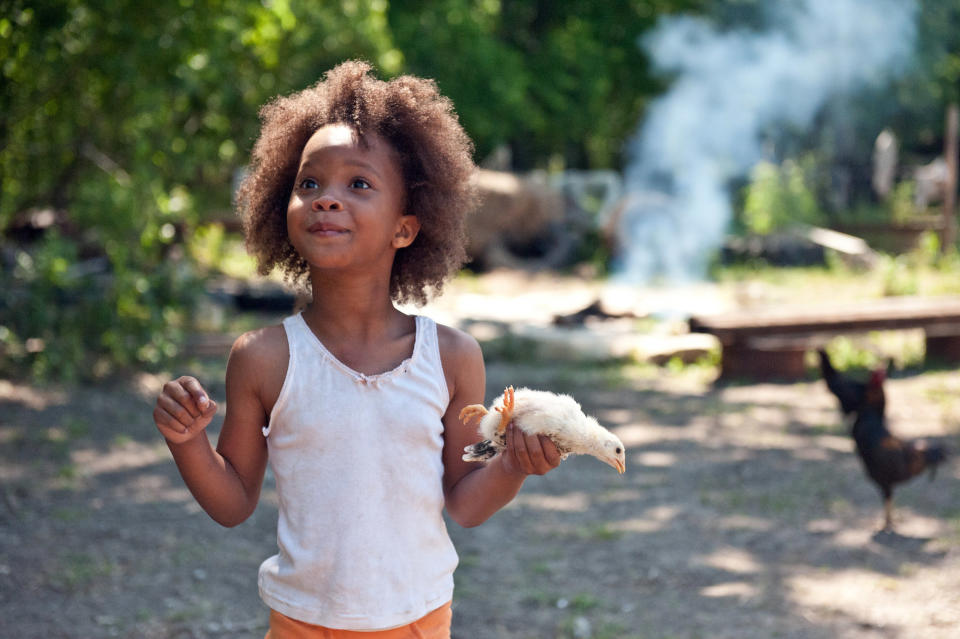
column 474, row 491
column 225, row 481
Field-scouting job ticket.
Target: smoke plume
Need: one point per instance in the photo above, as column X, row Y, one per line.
column 728, row 88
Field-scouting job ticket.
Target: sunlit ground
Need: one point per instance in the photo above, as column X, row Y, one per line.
column 743, row 512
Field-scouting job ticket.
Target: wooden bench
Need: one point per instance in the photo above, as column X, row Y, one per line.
column 772, row 342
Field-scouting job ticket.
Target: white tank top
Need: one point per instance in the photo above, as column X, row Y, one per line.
column 357, row 460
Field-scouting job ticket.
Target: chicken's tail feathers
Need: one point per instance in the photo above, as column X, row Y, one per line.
column 481, row 451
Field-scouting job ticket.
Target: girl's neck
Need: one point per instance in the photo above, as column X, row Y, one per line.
column 360, row 327
column 356, row 310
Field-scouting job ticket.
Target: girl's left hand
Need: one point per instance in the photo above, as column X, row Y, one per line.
column 529, row 454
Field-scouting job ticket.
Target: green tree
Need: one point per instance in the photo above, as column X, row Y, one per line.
column 551, row 79
column 133, row 118
column 780, row 196
column 924, row 94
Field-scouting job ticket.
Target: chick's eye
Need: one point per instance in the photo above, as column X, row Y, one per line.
column 307, row 183
column 359, row 183
column 619, row 450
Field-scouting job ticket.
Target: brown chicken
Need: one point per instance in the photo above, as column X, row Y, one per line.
column 887, row 459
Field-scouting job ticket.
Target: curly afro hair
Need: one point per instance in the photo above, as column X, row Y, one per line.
column 435, row 153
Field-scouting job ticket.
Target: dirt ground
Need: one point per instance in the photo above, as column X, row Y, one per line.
column 743, row 513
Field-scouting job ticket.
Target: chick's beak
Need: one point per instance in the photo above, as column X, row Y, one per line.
column 618, row 464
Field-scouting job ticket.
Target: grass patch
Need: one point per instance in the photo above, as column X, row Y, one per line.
column 942, row 394
column 71, row 515
column 79, row 570
column 584, row 602
column 120, row 440
column 186, row 555
column 190, row 613
column 751, row 501
column 68, row 472
column 578, row 625
column 539, row 598
column 833, row 428
column 570, row 378
column 77, row 427
column 916, row 273
column 511, row 348
column 597, row 532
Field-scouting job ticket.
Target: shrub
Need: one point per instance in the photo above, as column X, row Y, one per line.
column 779, row 196
column 66, row 318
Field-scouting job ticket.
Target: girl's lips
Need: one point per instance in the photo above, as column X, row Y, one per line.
column 325, row 228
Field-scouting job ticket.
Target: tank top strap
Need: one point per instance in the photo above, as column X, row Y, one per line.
column 297, row 333
column 428, row 345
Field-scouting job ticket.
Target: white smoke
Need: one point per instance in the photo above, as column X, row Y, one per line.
column 729, row 88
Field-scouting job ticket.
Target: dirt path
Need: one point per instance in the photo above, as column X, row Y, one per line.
column 743, row 513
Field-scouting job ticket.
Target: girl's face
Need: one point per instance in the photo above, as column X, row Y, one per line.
column 346, row 208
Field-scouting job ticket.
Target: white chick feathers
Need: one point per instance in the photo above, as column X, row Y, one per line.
column 559, row 417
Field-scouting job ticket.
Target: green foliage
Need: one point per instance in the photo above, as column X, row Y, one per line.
column 923, row 95
column 63, row 318
column 899, row 278
column 897, row 209
column 875, row 350
column 779, row 196
column 912, row 104
column 561, row 79
column 79, row 570
column 846, row 354
column 709, row 361
column 154, row 107
column 214, row 250
column 132, row 121
column 928, row 248
column 900, row 202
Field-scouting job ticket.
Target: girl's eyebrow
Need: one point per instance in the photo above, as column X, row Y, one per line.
column 364, row 166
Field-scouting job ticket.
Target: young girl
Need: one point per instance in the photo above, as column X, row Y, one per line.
column 358, row 188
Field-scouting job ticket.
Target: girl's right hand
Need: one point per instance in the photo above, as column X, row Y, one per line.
column 183, row 410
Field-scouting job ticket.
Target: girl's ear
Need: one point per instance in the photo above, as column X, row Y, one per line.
column 406, row 232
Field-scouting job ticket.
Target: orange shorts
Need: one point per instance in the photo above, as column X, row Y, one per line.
column 433, row 625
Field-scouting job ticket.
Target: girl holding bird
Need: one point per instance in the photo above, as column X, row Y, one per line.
column 357, row 190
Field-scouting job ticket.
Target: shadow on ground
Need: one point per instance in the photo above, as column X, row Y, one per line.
column 743, row 513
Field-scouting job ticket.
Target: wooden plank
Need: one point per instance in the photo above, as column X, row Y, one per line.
column 740, row 360
column 943, row 348
column 884, row 314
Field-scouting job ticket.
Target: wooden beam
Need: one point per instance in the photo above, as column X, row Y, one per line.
column 891, row 313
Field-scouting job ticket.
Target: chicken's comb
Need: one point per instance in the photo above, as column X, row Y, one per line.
column 878, row 376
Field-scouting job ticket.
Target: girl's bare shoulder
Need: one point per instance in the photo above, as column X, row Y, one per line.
column 258, row 361
column 456, row 344
column 462, row 362
column 261, row 345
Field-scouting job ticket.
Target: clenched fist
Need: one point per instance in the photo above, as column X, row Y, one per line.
column 183, row 410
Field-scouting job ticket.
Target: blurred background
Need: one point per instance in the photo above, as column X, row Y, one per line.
column 643, row 142
column 644, row 163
